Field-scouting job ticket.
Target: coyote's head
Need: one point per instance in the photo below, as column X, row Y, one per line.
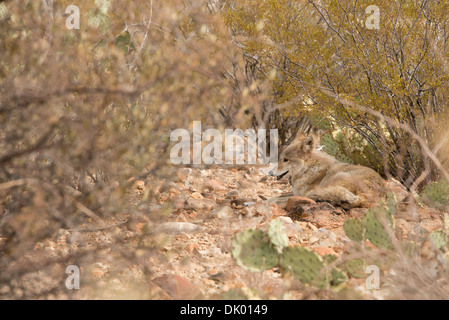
column 294, row 156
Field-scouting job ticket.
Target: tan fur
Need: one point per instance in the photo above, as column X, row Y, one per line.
column 319, row 176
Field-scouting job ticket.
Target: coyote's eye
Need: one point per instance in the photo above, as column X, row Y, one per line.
column 285, row 160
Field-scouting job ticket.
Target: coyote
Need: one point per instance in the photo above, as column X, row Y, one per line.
column 319, row 176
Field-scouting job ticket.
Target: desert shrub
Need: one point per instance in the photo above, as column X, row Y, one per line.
column 84, row 113
column 319, row 49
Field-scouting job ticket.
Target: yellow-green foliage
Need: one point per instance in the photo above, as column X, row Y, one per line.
column 398, row 70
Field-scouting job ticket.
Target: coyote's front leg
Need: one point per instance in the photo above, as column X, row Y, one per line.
column 337, row 195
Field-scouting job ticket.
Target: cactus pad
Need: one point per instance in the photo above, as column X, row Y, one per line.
column 392, row 203
column 356, row 268
column 329, row 143
column 375, row 231
column 337, row 277
column 354, row 230
column 302, row 263
column 277, row 235
column 253, row 251
column 439, row 239
column 436, row 194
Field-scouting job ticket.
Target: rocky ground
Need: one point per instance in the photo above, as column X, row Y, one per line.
column 208, row 207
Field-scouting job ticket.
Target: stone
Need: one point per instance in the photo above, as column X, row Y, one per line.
column 296, row 201
column 323, row 251
column 213, row 185
column 233, row 195
column 199, row 204
column 178, row 288
column 224, row 212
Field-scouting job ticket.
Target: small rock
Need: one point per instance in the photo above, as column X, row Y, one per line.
column 278, row 211
column 322, row 251
column 245, row 184
column 219, row 276
column 240, row 202
column 169, row 187
column 224, row 212
column 402, row 229
column 233, row 195
column 183, row 174
column 178, row 288
column 213, row 185
column 197, row 195
column 139, row 185
column 191, row 247
column 248, row 212
column 247, row 204
column 199, row 204
column 296, row 201
column 175, row 228
column 286, row 219
column 313, row 239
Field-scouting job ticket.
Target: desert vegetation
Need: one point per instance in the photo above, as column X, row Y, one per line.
column 85, row 173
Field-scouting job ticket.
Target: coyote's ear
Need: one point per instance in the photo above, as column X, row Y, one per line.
column 308, row 144
column 317, row 132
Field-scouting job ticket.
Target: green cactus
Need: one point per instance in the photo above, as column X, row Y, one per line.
column 446, row 222
column 253, row 251
column 277, row 235
column 302, row 263
column 354, row 230
column 343, row 157
column 123, row 42
column 329, row 143
column 439, row 239
column 356, row 268
column 374, row 230
column 337, row 277
column 329, row 259
column 436, row 194
column 392, row 203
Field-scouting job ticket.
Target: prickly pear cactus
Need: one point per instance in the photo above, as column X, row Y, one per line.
column 436, row 194
column 253, row 251
column 374, row 230
column 392, row 203
column 302, row 263
column 343, row 157
column 439, row 239
column 446, row 223
column 329, row 259
column 337, row 277
column 329, row 143
column 356, row 268
column 354, row 230
column 277, row 235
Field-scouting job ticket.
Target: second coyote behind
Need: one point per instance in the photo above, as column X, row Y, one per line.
column 319, row 176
